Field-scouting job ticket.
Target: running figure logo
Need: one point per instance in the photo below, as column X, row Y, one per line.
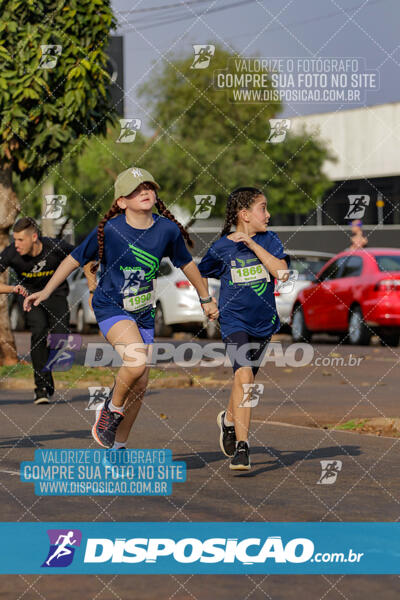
column 279, row 129
column 39, row 266
column 54, row 206
column 330, row 470
column 97, row 395
column 202, row 55
column 62, row 547
column 62, row 351
column 204, row 205
column 286, row 280
column 251, row 394
column 357, row 205
column 132, row 281
column 129, row 127
column 50, row 54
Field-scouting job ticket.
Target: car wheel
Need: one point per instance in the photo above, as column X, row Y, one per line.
column 389, row 339
column 160, row 328
column 300, row 333
column 17, row 321
column 359, row 334
column 81, row 325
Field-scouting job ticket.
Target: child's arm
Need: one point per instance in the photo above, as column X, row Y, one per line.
column 273, row 265
column 64, row 269
column 90, row 277
column 193, row 274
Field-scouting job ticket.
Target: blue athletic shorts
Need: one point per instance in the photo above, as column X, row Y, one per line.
column 105, row 326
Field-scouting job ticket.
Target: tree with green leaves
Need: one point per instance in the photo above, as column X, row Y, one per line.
column 53, row 97
column 202, row 144
column 207, row 144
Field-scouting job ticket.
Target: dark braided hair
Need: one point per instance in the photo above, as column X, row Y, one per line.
column 163, row 210
column 115, row 210
column 240, row 198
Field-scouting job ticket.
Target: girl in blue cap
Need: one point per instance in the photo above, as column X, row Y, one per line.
column 243, row 261
column 128, row 244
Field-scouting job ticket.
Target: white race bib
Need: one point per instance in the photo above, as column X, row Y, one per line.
column 247, row 274
column 139, row 301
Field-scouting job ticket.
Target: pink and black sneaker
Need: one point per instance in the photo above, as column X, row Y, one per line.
column 106, row 425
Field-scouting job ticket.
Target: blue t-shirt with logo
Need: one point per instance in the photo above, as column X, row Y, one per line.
column 130, row 263
column 246, row 300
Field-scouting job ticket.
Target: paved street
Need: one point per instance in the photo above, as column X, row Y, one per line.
column 287, row 446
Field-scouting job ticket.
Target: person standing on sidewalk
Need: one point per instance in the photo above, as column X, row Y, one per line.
column 34, row 259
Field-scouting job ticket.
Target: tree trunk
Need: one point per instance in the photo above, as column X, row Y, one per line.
column 9, row 208
column 47, row 225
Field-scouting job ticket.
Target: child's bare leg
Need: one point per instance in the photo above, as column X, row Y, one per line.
column 241, row 414
column 125, row 337
column 132, row 406
column 229, row 410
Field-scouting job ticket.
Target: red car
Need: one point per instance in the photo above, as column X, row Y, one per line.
column 355, row 295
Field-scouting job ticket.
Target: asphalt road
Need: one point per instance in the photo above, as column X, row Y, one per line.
column 287, row 446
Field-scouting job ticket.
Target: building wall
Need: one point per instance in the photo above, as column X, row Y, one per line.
column 365, row 140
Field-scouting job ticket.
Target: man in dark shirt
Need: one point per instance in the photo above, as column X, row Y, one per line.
column 34, row 259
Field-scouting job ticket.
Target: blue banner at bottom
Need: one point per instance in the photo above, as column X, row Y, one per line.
column 196, row 548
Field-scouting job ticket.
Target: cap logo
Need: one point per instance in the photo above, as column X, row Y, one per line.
column 137, row 172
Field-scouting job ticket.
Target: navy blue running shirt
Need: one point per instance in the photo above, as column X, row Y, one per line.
column 246, row 300
column 130, row 263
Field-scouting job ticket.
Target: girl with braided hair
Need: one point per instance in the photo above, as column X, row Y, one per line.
column 129, row 243
column 244, row 261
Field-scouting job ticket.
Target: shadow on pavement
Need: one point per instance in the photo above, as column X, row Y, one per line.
column 277, row 459
column 286, row 458
column 36, row 441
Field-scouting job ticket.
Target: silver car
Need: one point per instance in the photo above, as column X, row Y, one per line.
column 305, row 264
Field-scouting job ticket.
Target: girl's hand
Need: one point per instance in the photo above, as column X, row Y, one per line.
column 211, row 310
column 35, row 299
column 239, row 236
column 19, row 289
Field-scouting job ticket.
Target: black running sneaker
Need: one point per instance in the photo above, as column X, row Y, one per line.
column 106, row 424
column 227, row 437
column 41, row 396
column 241, row 460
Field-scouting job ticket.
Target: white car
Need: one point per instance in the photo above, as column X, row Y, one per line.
column 305, row 264
column 82, row 316
column 177, row 303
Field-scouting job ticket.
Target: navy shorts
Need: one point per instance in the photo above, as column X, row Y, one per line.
column 241, row 356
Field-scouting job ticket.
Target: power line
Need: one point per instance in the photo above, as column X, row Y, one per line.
column 170, row 18
column 311, row 20
column 163, row 7
column 165, row 20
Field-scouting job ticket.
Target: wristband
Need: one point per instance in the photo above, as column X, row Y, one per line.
column 92, row 291
column 205, row 300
